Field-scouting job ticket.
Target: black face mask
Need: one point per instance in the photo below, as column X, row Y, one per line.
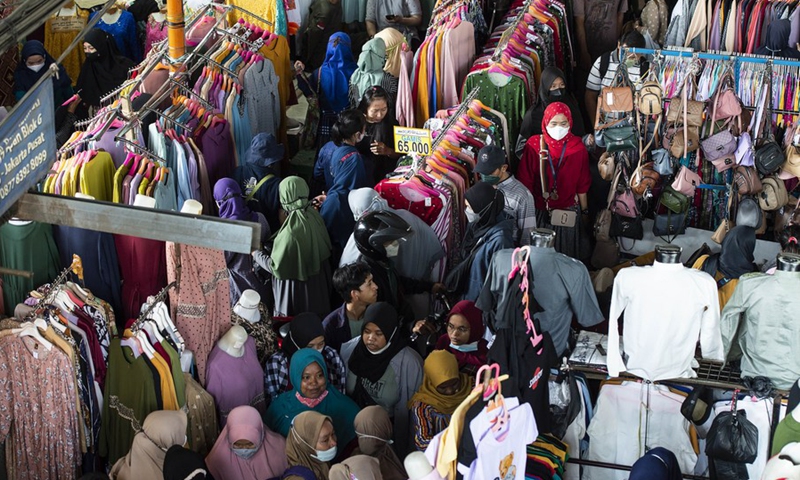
column 558, row 93
column 93, row 56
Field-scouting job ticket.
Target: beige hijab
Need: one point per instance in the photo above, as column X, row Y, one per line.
column 304, row 433
column 393, row 41
column 360, row 467
column 374, row 430
column 161, row 430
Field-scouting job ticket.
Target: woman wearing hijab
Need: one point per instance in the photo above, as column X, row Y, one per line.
column 231, row 204
column 360, row 467
column 324, row 20
column 370, row 70
column 778, row 41
column 394, row 41
column 246, row 449
column 382, row 370
column 104, row 69
column 33, row 64
column 374, row 431
column 305, row 331
column 161, row 430
column 330, row 82
column 442, row 391
column 553, row 88
column 464, row 337
column 260, row 175
column 488, row 231
column 734, row 259
column 310, row 447
column 180, row 463
column 298, row 261
column 566, row 167
column 312, row 391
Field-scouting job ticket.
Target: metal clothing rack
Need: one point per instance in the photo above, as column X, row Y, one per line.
column 501, row 45
column 455, row 116
column 16, row 273
column 76, row 266
column 140, row 148
column 160, row 296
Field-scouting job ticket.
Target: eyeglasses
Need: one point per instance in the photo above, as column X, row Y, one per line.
column 451, row 328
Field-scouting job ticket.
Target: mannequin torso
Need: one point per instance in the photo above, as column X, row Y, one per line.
column 233, row 342
column 112, row 15
column 247, row 306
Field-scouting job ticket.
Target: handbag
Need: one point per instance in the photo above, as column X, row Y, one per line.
column 644, row 178
column 726, row 103
column 686, row 140
column 662, row 162
column 308, row 139
column 732, row 437
column 626, row 227
column 615, row 102
column 745, row 155
column 746, row 181
column 560, row 217
column 773, row 194
column 649, row 97
column 769, row 157
column 674, row 200
column 620, row 138
column 606, row 253
column 670, row 223
column 683, row 110
column 719, row 147
column 606, row 166
column 792, row 162
column 686, row 181
column 748, row 213
column 624, row 204
column 787, row 215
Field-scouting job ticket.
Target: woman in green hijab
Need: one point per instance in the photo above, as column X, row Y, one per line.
column 370, row 71
column 298, row 260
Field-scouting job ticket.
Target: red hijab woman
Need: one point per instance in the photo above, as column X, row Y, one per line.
column 567, row 177
column 464, row 337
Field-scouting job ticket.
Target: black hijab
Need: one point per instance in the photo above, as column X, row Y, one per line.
column 25, row 78
column 107, row 71
column 488, row 202
column 366, row 364
column 302, row 329
column 532, row 121
column 736, row 256
column 183, row 464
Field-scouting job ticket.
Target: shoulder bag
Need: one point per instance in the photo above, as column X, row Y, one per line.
column 773, row 194
column 681, row 109
column 686, row 181
column 719, row 148
column 558, row 217
column 746, row 181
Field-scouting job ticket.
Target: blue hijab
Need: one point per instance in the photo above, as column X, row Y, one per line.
column 336, row 70
column 348, row 174
column 336, row 405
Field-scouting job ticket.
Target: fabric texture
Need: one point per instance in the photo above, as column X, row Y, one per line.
column 231, row 391
column 301, row 442
column 104, row 73
column 374, row 430
column 371, row 63
column 183, row 464
column 360, row 467
column 336, row 70
column 160, row 431
column 441, row 367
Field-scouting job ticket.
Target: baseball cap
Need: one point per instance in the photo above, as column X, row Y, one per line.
column 490, row 158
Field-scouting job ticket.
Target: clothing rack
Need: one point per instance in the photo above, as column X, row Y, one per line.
column 16, row 273
column 160, row 296
column 226, row 34
column 76, row 266
column 140, row 148
column 501, row 45
column 188, row 91
column 135, row 81
column 465, row 104
column 212, row 62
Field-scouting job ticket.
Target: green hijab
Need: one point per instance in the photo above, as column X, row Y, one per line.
column 302, row 243
column 370, row 66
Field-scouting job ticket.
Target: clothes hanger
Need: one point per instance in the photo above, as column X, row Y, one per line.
column 29, row 329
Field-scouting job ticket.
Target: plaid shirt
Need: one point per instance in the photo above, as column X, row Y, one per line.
column 276, row 372
column 520, row 208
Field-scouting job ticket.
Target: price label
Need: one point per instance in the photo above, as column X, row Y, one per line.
column 412, row 140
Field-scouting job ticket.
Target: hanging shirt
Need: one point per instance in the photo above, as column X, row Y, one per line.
column 505, row 459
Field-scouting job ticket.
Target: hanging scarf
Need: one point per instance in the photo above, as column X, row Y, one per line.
column 302, row 243
column 228, row 196
column 364, row 363
column 441, row 367
column 104, row 73
column 25, row 78
column 370, row 66
column 336, row 70
column 394, row 41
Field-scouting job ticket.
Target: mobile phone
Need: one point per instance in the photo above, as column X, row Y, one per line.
column 390, row 17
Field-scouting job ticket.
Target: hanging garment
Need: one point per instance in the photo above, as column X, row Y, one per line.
column 229, row 389
column 59, row 31
column 31, row 248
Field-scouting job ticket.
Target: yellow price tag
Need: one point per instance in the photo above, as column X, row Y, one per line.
column 412, row 140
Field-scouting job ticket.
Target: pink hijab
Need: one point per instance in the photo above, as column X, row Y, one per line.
column 244, row 423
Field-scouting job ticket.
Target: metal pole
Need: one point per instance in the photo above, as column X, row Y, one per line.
column 176, row 32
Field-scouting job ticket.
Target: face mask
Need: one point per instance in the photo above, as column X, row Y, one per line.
column 93, row 56
column 244, row 452
column 469, row 347
column 36, row 68
column 362, row 435
column 381, row 350
column 558, row 132
column 325, row 455
column 472, row 217
column 558, row 92
column 392, row 249
column 490, row 179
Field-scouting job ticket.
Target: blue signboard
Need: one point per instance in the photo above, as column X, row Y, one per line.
column 27, row 144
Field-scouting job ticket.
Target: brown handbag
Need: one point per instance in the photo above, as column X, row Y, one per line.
column 616, row 99
column 746, row 181
column 644, row 177
column 681, row 109
column 685, row 140
column 606, row 166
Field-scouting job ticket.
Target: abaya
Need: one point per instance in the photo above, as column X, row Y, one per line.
column 103, row 70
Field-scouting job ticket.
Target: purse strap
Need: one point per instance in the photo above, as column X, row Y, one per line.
column 543, row 171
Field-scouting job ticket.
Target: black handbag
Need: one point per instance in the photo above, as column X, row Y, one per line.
column 669, row 224
column 621, row 139
column 626, row 227
column 748, row 213
column 769, row 157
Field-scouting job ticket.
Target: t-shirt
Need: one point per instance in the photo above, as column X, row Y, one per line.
column 385, row 392
column 788, row 431
column 595, row 83
column 600, row 23
column 506, row 459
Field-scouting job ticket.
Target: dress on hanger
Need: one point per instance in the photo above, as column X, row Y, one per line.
column 124, row 33
column 59, row 31
column 156, row 31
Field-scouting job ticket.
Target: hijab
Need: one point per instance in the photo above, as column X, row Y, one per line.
column 374, row 429
column 550, row 75
column 488, row 202
column 302, row 329
column 365, row 200
column 364, row 363
column 302, row 243
column 737, row 254
column 104, row 73
column 340, row 408
column 336, row 70
column 25, row 78
column 657, row 464
column 474, row 317
column 161, row 430
column 183, row 464
column 394, row 41
column 358, row 467
column 440, row 367
column 532, row 122
column 269, row 460
column 370, row 66
column 228, row 196
column 264, row 150
column 302, row 440
column 571, row 141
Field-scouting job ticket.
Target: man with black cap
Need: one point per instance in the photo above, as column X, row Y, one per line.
column 492, row 166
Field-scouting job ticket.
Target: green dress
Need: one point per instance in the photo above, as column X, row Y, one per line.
column 30, row 248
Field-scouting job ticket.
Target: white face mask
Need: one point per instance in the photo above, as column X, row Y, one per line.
column 37, row 67
column 472, row 217
column 363, row 435
column 558, row 132
column 392, row 249
column 325, row 455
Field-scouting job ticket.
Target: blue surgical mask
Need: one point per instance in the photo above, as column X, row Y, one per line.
column 325, row 455
column 469, row 347
column 244, row 452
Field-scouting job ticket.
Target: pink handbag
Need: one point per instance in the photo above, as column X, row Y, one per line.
column 686, row 181
column 726, row 103
column 624, row 204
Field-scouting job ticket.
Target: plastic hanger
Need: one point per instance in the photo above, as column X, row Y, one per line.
column 30, row 330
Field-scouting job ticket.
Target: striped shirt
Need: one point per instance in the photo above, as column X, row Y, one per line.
column 596, row 83
column 520, row 208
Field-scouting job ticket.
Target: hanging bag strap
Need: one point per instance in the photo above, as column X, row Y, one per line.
column 255, row 189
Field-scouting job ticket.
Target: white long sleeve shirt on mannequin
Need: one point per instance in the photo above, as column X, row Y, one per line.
column 667, row 308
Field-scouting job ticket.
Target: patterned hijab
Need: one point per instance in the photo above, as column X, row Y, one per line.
column 370, row 66
column 551, row 111
column 336, row 70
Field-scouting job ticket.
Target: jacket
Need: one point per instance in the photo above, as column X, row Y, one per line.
column 497, row 238
column 337, row 328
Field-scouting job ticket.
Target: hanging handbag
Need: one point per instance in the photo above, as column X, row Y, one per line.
column 773, row 194
column 626, row 227
column 719, row 148
column 732, row 437
column 624, row 204
column 674, row 200
column 683, row 110
column 620, row 138
column 606, row 166
column 669, row 224
column 662, row 162
column 686, row 181
column 726, row 103
column 685, row 141
column 649, row 97
column 787, row 215
column 769, row 157
column 615, row 102
column 644, row 178
column 746, row 181
column 792, row 163
column 308, row 139
column 748, row 213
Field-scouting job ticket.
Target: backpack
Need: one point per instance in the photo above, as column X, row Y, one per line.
column 773, row 194
column 649, row 98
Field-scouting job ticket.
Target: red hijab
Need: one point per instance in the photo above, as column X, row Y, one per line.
column 474, row 316
column 553, row 145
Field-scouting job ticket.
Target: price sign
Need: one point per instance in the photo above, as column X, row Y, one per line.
column 412, row 140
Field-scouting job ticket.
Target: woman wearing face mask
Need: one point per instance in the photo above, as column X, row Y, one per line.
column 567, row 178
column 33, row 64
column 374, row 431
column 464, row 337
column 377, row 146
column 310, row 447
column 246, row 449
column 305, row 331
column 382, row 370
column 442, row 391
column 161, row 430
column 553, row 88
column 104, row 69
column 312, row 391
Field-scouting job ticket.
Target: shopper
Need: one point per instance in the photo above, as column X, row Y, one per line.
column 310, row 447
column 180, row 463
column 360, row 467
column 464, row 337
column 354, row 282
column 777, row 44
column 598, row 24
column 567, row 179
column 104, row 69
column 370, row 72
column 734, row 259
column 377, row 146
column 246, row 449
column 161, row 430
column 402, row 15
column 34, row 61
column 553, row 88
column 374, row 431
column 324, row 20
column 259, row 177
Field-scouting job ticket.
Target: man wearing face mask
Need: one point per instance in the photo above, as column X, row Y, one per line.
column 492, row 166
